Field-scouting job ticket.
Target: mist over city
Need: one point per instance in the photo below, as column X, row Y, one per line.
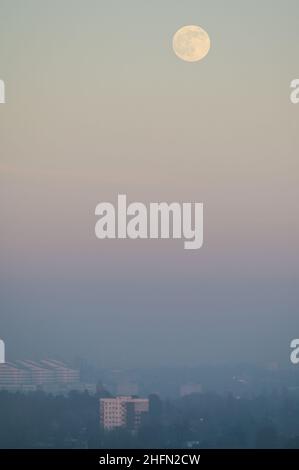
column 149, row 231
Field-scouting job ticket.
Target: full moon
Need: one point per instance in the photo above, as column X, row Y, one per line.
column 191, row 43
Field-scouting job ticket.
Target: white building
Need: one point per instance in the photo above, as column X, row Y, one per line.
column 123, row 412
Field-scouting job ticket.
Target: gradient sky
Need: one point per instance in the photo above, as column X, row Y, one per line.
column 98, row 104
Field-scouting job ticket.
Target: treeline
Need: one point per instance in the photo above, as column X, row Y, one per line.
column 37, row 420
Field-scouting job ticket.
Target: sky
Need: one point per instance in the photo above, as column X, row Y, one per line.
column 98, row 104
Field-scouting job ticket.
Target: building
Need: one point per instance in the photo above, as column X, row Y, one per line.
column 137, row 409
column 39, row 376
column 122, row 412
column 13, row 378
column 48, row 375
column 62, row 373
column 113, row 412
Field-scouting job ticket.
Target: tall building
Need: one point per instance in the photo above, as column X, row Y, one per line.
column 136, row 409
column 123, row 411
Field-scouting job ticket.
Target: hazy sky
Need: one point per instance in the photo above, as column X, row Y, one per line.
column 98, row 104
